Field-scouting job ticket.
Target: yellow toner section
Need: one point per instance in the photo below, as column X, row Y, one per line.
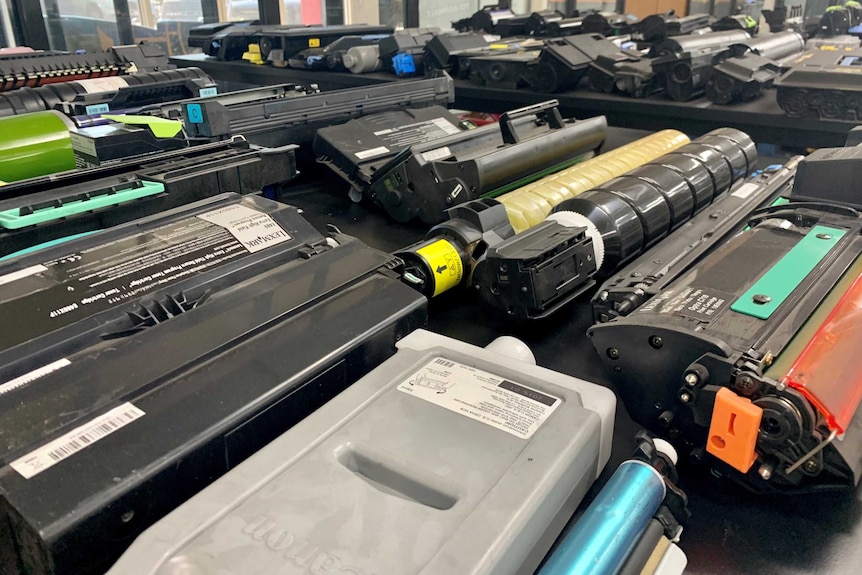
column 531, row 204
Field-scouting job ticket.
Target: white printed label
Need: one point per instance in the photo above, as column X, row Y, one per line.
column 83, row 145
column 365, row 154
column 96, row 85
column 79, row 438
column 33, row 375
column 745, row 190
column 21, row 274
column 446, row 126
column 482, row 396
column 437, row 154
column 253, row 229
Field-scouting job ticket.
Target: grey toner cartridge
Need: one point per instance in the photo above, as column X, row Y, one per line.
column 446, row 459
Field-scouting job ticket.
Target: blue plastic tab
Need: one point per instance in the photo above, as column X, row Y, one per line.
column 195, row 113
column 403, row 64
column 93, row 109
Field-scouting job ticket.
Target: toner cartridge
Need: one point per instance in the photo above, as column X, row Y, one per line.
column 636, row 283
column 534, row 273
column 448, row 458
column 156, row 356
column 452, row 52
column 684, row 64
column 822, row 83
column 48, row 209
column 745, row 354
column 330, row 57
column 624, row 70
column 32, row 69
column 564, row 61
column 279, row 122
column 103, row 95
column 506, row 71
column 277, row 43
column 417, row 165
column 754, row 65
column 402, row 52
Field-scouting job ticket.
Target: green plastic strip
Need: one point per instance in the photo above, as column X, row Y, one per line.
column 44, row 245
column 160, row 127
column 13, row 220
column 786, row 275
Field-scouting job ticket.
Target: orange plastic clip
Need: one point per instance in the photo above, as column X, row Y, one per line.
column 733, row 430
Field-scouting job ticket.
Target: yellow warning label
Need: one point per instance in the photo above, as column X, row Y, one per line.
column 445, row 264
column 314, row 42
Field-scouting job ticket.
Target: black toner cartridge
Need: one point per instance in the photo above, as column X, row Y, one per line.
column 102, row 95
column 33, row 69
column 754, row 65
column 745, row 353
column 277, row 43
column 418, row 163
column 150, row 359
column 50, row 208
column 277, row 122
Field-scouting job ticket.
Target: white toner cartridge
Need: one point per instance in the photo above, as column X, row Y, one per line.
column 447, row 459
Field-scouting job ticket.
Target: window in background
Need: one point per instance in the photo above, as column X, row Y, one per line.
column 302, row 12
column 81, row 24
column 7, row 36
column 441, row 13
column 585, row 7
column 389, row 12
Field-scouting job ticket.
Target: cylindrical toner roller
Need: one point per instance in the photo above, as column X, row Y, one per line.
column 34, row 145
column 639, row 209
column 530, row 205
column 606, row 534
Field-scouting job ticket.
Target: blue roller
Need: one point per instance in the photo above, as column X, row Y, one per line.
column 609, row 529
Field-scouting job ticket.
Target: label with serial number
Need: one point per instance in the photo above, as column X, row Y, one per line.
column 59, row 292
column 482, row 396
column 79, row 438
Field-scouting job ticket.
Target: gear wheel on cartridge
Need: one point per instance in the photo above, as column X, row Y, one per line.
column 573, row 220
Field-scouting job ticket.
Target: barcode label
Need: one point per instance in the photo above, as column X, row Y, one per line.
column 71, row 443
column 444, row 363
column 365, row 154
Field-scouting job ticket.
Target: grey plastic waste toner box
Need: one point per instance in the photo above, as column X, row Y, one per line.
column 447, row 459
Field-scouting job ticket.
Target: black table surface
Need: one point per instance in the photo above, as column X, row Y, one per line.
column 761, row 118
column 731, row 531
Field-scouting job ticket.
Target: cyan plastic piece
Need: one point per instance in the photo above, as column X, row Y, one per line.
column 44, row 245
column 13, row 220
column 93, row 109
column 195, row 113
column 609, row 529
column 403, row 64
